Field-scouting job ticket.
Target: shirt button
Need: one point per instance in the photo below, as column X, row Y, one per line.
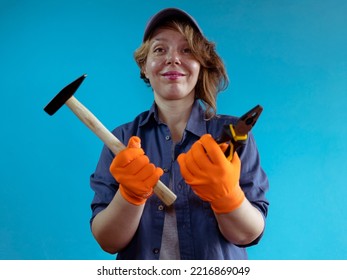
column 155, row 250
column 160, row 207
column 166, row 170
column 167, row 137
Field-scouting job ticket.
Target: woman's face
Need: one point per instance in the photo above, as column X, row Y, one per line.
column 170, row 66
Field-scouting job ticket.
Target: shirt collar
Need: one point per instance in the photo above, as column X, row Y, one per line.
column 152, row 115
column 196, row 122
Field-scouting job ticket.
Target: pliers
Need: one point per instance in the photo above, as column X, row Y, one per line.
column 236, row 135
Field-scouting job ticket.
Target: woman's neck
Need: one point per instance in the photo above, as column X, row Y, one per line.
column 175, row 115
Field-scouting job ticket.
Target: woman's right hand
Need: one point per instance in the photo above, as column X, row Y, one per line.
column 134, row 172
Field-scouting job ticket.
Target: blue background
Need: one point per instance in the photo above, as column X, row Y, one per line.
column 288, row 56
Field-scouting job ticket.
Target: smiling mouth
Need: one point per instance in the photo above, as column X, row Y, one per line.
column 173, row 75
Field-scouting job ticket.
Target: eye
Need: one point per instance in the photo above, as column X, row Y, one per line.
column 187, row 50
column 158, row 50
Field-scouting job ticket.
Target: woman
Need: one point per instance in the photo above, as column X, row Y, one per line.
column 221, row 205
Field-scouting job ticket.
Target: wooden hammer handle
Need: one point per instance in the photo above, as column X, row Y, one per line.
column 111, row 141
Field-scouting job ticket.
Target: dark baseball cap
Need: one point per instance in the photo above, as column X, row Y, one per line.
column 166, row 15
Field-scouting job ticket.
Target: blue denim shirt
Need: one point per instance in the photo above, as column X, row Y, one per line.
column 198, row 232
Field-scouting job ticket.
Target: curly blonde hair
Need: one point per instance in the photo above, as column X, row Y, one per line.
column 212, row 77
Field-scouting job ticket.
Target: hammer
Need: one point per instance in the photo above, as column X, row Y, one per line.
column 65, row 96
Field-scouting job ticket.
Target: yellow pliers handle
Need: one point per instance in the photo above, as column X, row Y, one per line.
column 237, row 135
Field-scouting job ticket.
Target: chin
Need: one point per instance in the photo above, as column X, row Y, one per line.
column 175, row 95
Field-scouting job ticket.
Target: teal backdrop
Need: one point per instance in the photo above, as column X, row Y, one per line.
column 289, row 56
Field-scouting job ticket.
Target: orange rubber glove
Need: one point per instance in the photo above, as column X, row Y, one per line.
column 211, row 176
column 134, row 172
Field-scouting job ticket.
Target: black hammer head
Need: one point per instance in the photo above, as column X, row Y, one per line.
column 60, row 99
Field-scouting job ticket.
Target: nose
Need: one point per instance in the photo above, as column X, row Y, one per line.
column 173, row 57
